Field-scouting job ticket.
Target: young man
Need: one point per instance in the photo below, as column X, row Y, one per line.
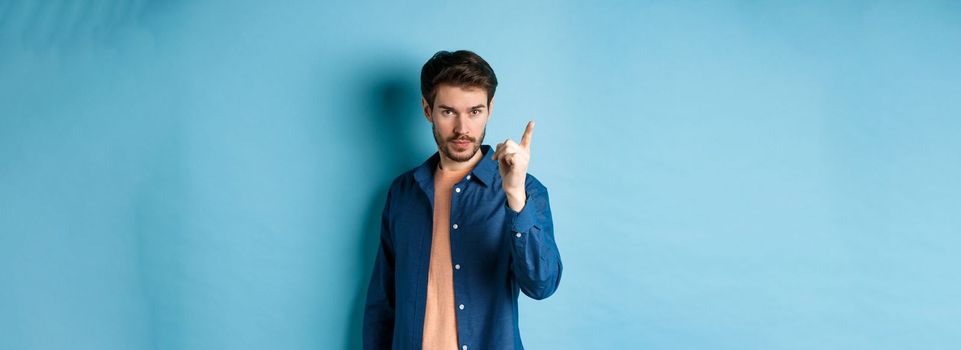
column 463, row 232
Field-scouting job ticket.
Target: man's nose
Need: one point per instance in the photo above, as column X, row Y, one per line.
column 460, row 125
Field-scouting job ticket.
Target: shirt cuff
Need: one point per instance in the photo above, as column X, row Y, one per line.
column 521, row 221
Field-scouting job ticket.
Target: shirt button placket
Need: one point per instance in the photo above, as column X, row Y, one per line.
column 457, row 266
column 457, row 189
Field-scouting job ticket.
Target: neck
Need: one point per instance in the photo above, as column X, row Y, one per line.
column 451, row 165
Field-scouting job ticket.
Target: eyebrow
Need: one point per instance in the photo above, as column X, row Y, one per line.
column 449, row 107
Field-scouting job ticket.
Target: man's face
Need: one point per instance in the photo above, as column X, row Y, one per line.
column 459, row 119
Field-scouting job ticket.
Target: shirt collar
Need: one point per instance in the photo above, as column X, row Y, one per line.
column 486, row 168
column 483, row 171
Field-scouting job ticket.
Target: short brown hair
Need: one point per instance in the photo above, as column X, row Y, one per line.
column 459, row 68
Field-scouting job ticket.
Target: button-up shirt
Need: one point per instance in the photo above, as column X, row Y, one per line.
column 496, row 254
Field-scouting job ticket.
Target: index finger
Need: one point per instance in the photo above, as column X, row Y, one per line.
column 528, row 133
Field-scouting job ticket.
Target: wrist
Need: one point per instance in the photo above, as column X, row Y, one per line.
column 516, row 200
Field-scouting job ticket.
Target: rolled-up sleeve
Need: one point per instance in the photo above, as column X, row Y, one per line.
column 535, row 259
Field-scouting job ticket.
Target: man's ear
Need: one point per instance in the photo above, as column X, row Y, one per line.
column 426, row 106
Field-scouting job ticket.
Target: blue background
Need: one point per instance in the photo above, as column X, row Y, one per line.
column 723, row 175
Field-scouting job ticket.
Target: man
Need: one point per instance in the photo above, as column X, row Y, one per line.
column 463, row 232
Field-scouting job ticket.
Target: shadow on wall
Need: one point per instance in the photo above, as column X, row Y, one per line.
column 393, row 121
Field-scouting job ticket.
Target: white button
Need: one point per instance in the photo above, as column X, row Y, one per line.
column 457, row 266
column 468, row 177
column 457, row 189
column 465, row 347
column 455, row 227
column 461, row 306
column 518, row 234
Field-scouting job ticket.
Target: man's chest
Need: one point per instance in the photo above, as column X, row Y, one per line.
column 476, row 225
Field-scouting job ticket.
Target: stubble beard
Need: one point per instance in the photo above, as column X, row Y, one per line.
column 445, row 145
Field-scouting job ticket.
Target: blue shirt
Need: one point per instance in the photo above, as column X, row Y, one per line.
column 500, row 252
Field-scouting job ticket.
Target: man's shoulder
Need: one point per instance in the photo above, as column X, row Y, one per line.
column 403, row 180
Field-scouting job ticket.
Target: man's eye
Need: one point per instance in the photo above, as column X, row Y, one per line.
column 475, row 112
column 448, row 112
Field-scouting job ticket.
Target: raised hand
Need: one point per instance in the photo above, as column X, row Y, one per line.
column 513, row 159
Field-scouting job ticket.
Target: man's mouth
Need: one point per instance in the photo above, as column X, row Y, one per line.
column 462, row 143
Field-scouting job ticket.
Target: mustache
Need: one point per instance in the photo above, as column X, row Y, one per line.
column 462, row 138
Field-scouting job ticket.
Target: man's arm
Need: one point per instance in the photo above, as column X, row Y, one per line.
column 536, row 262
column 381, row 298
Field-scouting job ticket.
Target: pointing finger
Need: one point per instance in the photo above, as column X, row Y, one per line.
column 528, row 133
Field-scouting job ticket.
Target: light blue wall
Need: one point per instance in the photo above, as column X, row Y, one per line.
column 739, row 175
